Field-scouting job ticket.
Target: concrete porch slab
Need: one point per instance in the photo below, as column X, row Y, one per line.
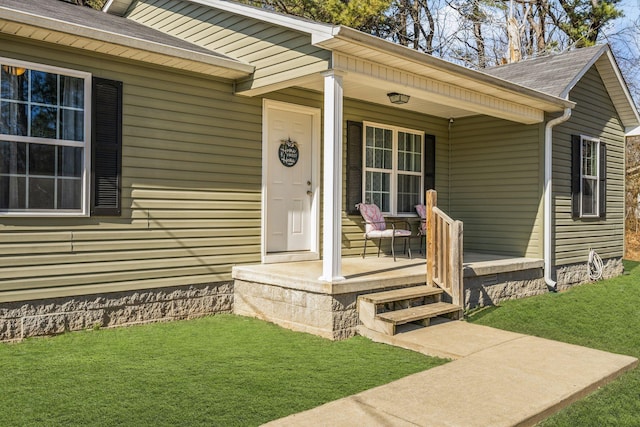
column 480, row 264
column 360, row 274
column 373, row 273
column 512, row 379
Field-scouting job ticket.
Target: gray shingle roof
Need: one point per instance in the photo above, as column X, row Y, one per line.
column 85, row 16
column 552, row 74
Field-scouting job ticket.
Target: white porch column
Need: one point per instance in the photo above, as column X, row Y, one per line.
column 332, row 183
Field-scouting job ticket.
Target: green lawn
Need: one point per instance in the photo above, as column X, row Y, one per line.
column 215, row 371
column 603, row 315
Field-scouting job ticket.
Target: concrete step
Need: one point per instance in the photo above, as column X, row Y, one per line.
column 401, row 294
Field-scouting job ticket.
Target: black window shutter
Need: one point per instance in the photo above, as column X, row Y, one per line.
column 354, row 166
column 106, row 147
column 575, row 176
column 603, row 180
column 429, row 162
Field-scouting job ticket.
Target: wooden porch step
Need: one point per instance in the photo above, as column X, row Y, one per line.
column 383, row 311
column 421, row 312
column 401, row 294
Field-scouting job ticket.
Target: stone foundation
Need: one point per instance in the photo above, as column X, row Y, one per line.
column 19, row 320
column 326, row 313
column 490, row 289
column 575, row 274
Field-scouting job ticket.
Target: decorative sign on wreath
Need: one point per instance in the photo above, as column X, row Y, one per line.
column 288, row 152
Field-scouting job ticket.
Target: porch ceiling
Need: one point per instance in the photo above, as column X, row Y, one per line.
column 428, row 96
column 358, row 87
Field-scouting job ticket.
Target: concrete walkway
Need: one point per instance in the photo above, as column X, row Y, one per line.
column 498, row 378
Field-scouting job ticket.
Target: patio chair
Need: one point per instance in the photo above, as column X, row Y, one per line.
column 422, row 230
column 376, row 228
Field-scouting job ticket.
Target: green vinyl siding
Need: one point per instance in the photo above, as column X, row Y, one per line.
column 594, row 116
column 496, row 185
column 279, row 54
column 191, row 185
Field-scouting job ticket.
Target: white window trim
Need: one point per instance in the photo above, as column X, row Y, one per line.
column 86, row 174
column 595, row 177
column 394, row 172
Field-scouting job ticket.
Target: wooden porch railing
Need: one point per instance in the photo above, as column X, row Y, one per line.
column 444, row 251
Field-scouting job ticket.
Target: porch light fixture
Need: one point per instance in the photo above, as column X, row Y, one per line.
column 398, row 98
column 15, row 71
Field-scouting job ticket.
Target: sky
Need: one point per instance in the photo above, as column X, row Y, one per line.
column 631, row 10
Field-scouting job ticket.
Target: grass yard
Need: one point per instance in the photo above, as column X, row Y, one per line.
column 603, row 315
column 215, row 371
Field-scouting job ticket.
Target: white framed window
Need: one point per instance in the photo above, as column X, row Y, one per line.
column 44, row 139
column 393, row 168
column 589, row 176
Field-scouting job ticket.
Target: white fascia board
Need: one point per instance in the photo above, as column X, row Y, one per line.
column 633, row 131
column 119, row 39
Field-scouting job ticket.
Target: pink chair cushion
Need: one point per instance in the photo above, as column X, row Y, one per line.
column 373, row 218
column 377, row 234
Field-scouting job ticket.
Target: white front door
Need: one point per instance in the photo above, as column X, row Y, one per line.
column 291, row 182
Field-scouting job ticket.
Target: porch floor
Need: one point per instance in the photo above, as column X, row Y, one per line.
column 372, row 272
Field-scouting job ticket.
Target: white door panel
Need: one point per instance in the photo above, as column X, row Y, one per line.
column 289, row 189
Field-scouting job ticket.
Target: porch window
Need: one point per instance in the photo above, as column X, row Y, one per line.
column 44, row 146
column 393, row 159
column 589, row 177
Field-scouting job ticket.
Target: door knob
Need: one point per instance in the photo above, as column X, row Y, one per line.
column 310, row 193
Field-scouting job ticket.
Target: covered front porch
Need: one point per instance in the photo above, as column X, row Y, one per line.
column 294, row 296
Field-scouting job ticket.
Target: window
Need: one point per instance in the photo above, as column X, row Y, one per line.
column 588, row 177
column 393, row 162
column 44, row 141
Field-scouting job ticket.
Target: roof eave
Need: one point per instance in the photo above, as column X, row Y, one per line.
column 19, row 17
column 624, row 103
